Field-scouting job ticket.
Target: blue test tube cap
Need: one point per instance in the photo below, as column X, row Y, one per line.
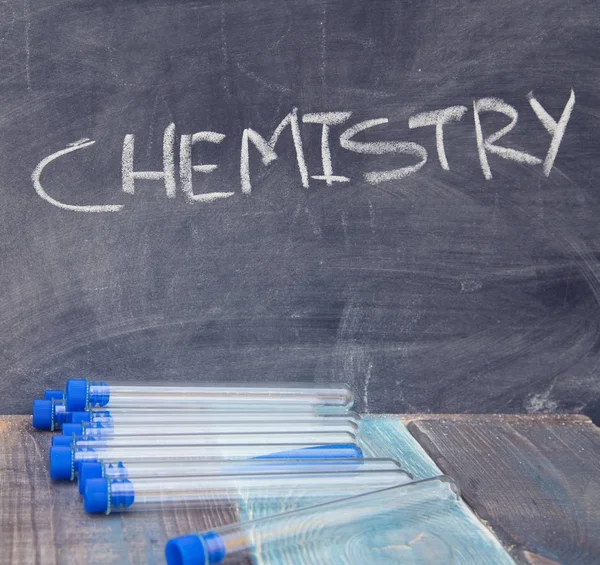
column 195, row 550
column 72, row 428
column 76, row 391
column 63, row 440
column 53, row 394
column 88, row 470
column 98, row 497
column 43, row 415
column 61, row 462
column 78, row 417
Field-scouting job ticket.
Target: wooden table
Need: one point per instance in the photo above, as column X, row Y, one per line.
column 534, row 480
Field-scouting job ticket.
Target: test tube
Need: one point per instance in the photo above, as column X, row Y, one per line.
column 107, row 495
column 402, row 506
column 65, row 461
column 80, row 394
column 49, row 414
column 154, row 469
column 218, row 440
column 101, row 417
column 256, row 424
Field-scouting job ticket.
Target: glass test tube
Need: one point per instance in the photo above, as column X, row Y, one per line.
column 106, row 495
column 298, row 438
column 66, row 461
column 100, row 417
column 154, row 469
column 256, row 425
column 353, row 518
column 81, row 394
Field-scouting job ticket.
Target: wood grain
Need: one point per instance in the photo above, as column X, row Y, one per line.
column 533, row 480
column 42, row 522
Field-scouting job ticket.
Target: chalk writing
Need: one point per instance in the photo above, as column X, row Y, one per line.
column 486, row 144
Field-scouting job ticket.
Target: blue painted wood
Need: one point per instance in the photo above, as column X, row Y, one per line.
column 452, row 534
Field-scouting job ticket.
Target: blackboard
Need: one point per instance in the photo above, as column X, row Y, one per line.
column 466, row 280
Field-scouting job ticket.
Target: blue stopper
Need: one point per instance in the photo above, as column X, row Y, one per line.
column 61, row 462
column 101, row 495
column 99, row 394
column 195, row 550
column 96, row 497
column 42, row 415
column 334, row 451
column 53, row 394
column 88, row 470
column 76, row 395
column 70, row 429
column 78, row 417
column 64, row 441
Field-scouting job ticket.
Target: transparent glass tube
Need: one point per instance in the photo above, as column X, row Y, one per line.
column 211, row 439
column 65, row 461
column 256, row 425
column 154, row 469
column 337, row 522
column 101, row 417
column 106, row 495
column 81, row 394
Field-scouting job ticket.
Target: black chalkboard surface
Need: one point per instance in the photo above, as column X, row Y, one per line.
column 400, row 195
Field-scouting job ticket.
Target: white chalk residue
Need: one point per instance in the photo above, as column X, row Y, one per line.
column 27, row 18
column 267, row 149
column 327, row 119
column 366, row 387
column 381, row 148
column 470, row 285
column 486, row 145
column 168, row 172
column 540, row 403
column 186, row 168
column 438, row 118
column 37, row 172
column 555, row 129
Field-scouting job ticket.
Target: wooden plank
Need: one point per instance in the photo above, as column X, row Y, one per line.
column 42, row 522
column 535, row 481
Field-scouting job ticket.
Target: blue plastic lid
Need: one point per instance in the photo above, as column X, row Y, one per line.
column 43, row 415
column 96, row 496
column 61, row 462
column 53, row 394
column 195, row 550
column 76, row 395
column 63, row 440
column 77, row 417
column 88, row 470
column 69, row 429
column 102, row 495
column 333, row 451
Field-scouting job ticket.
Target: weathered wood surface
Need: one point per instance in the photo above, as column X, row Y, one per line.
column 534, row 480
column 42, row 522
